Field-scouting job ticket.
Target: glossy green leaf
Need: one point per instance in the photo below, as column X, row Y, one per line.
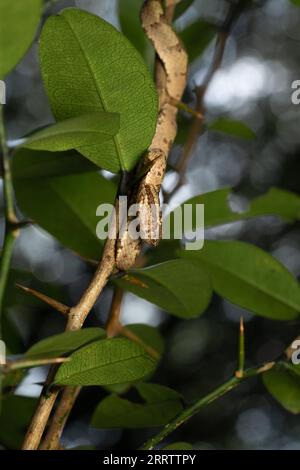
column 217, row 210
column 65, row 343
column 160, row 405
column 129, row 14
column 284, row 386
column 150, row 339
column 15, row 415
column 165, row 251
column 179, row 446
column 232, row 127
column 78, row 132
column 175, row 286
column 29, row 164
column 196, row 37
column 66, row 205
column 88, row 65
column 18, row 25
column 106, row 362
column 249, row 277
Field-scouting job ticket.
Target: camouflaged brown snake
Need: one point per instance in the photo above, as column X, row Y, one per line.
column 171, row 75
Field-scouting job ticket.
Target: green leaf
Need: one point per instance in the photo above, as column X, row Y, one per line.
column 217, row 210
column 41, row 164
column 249, row 277
column 277, row 202
column 295, row 2
column 196, row 38
column 232, row 127
column 18, row 24
column 15, row 415
column 106, row 362
column 149, row 335
column 64, row 206
column 78, row 132
column 88, row 65
column 165, row 251
column 284, row 386
column 65, row 343
column 175, row 286
column 129, row 14
column 181, row 8
column 179, row 446
column 161, row 404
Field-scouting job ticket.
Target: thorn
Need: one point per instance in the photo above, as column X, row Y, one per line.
column 64, row 309
column 90, row 261
column 240, row 372
column 133, row 337
column 242, row 329
column 180, row 105
column 266, row 367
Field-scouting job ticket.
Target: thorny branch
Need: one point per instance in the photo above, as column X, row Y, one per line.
column 196, row 407
column 239, row 376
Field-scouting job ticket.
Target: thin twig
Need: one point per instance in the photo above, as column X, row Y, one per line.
column 130, row 335
column 11, row 220
column 196, row 127
column 28, row 363
column 196, row 407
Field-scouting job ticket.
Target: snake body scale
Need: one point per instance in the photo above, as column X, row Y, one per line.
column 171, row 78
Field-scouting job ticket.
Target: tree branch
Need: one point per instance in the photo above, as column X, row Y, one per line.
column 113, row 326
column 196, row 127
column 68, row 398
column 76, row 318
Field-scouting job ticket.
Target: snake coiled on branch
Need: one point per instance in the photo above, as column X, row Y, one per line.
column 171, row 76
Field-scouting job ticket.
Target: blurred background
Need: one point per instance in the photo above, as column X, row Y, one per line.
column 253, row 85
